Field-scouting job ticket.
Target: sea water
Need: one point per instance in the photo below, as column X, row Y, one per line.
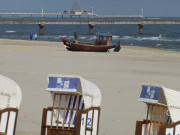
column 164, row 36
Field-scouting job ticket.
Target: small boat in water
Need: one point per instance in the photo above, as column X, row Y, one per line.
column 102, row 43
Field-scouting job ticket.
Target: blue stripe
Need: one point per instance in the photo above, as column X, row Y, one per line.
column 74, row 103
column 79, row 101
column 82, row 106
column 74, row 120
column 168, row 120
column 75, row 97
column 68, row 110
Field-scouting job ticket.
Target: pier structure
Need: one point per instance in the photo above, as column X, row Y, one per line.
column 91, row 28
column 141, row 25
column 41, row 28
column 80, row 18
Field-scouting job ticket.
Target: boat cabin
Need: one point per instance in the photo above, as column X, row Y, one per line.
column 104, row 39
column 163, row 111
column 75, row 107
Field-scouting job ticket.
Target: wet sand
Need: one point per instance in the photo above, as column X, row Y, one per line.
column 118, row 75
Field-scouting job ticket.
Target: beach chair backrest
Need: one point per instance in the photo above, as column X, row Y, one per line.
column 8, row 119
column 63, row 114
column 65, row 107
column 156, row 116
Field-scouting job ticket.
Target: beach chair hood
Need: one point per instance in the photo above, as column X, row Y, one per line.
column 75, row 84
column 163, row 96
column 10, row 93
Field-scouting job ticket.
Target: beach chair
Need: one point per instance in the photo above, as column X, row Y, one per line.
column 75, row 109
column 163, row 111
column 10, row 99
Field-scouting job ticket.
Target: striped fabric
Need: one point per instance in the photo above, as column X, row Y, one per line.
column 71, row 114
column 169, row 121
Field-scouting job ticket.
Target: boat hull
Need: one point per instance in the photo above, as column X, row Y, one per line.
column 71, row 46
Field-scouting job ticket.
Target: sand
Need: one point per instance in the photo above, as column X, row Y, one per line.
column 118, row 75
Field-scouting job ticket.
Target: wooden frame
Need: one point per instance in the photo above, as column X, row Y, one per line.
column 91, row 126
column 154, row 119
column 163, row 128
column 56, row 126
column 52, row 130
column 61, row 123
column 48, row 130
column 8, row 111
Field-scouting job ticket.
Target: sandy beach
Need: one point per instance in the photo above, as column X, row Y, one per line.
column 118, row 75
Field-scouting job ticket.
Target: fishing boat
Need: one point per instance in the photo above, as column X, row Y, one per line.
column 102, row 43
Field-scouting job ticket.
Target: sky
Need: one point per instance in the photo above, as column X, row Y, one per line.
column 151, row 8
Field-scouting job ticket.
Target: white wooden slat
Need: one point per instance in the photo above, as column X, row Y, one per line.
column 3, row 123
column 11, row 123
column 83, row 124
column 95, row 122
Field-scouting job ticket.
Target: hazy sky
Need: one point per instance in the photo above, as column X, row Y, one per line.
column 151, row 8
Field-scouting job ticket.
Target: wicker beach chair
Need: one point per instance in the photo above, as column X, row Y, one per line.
column 10, row 99
column 76, row 107
column 163, row 111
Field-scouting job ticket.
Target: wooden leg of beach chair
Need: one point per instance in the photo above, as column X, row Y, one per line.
column 43, row 124
column 138, row 127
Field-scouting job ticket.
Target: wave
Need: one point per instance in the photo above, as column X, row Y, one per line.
column 10, row 31
column 62, row 36
column 116, row 37
column 127, row 37
column 162, row 38
column 82, row 37
column 158, row 45
column 92, row 38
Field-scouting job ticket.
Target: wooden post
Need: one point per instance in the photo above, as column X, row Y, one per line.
column 91, row 28
column 75, row 37
column 141, row 28
column 138, row 127
column 41, row 28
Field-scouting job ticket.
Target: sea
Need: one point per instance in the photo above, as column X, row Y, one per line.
column 160, row 36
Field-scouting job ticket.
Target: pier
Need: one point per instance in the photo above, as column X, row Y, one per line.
column 89, row 19
column 79, row 19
